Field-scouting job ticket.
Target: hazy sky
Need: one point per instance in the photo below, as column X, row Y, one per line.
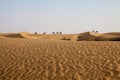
column 67, row 16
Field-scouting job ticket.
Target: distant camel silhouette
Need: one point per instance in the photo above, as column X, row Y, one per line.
column 44, row 33
column 35, row 33
column 60, row 32
column 96, row 31
column 53, row 33
column 93, row 31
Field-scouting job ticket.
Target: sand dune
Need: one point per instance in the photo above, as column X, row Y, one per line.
column 109, row 37
column 44, row 59
column 33, row 36
column 86, row 36
column 12, row 35
column 91, row 36
column 95, row 34
column 113, row 33
column 28, row 35
column 18, row 35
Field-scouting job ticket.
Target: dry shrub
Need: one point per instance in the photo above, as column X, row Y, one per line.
column 65, row 38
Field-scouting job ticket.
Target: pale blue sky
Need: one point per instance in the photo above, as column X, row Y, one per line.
column 67, row 16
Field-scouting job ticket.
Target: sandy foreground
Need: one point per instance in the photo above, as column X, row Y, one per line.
column 39, row 59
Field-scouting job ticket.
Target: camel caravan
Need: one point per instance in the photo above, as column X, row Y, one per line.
column 46, row 33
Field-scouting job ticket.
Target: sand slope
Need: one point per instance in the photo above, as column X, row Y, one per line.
column 91, row 36
column 86, row 36
column 18, row 35
column 37, row 59
column 38, row 36
column 113, row 33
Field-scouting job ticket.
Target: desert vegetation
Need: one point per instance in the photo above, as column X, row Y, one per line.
column 65, row 38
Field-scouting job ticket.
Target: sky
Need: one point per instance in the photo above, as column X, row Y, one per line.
column 67, row 16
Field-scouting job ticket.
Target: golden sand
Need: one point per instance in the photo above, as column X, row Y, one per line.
column 47, row 58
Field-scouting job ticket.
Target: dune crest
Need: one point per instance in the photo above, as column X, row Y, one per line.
column 91, row 36
column 18, row 35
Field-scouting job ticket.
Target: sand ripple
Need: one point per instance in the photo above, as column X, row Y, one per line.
column 35, row 59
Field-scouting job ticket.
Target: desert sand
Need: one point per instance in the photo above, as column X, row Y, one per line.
column 25, row 56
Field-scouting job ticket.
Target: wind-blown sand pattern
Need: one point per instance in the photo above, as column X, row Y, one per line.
column 52, row 59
